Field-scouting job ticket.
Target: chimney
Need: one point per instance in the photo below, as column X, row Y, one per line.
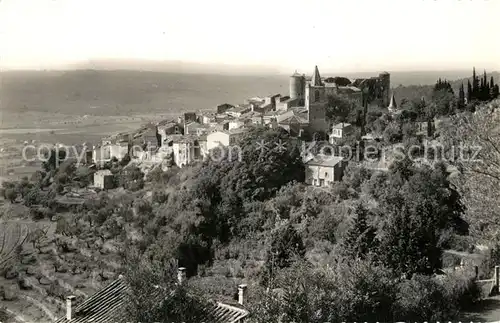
column 241, row 293
column 69, row 309
column 181, row 274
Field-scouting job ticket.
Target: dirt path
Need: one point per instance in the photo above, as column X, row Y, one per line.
column 486, row 311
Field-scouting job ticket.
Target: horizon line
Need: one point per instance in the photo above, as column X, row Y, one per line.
column 152, row 65
column 242, row 72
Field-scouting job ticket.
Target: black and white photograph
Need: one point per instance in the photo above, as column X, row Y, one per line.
column 249, row 161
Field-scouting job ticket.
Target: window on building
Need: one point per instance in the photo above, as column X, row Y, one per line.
column 326, row 174
column 316, row 96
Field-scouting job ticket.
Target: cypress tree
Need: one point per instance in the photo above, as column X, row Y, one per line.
column 492, row 88
column 481, row 90
column 475, row 85
column 360, row 238
column 486, row 88
column 496, row 91
column 469, row 92
column 461, row 97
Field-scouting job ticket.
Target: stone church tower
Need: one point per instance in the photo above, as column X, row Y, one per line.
column 315, row 102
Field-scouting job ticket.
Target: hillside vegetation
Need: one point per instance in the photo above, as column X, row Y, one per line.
column 371, row 247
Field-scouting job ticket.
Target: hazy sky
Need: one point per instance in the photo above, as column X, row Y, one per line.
column 339, row 35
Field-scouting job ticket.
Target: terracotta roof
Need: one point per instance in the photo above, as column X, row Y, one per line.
column 275, row 113
column 241, row 108
column 103, row 306
column 108, row 305
column 103, row 172
column 294, row 120
column 326, row 161
column 341, row 125
column 236, row 131
column 166, row 122
column 289, row 99
column 298, row 110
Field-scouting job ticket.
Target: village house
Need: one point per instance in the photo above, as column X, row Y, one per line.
column 323, row 171
column 341, row 130
column 119, row 150
column 103, row 179
column 207, row 117
column 185, row 150
column 190, row 117
column 196, row 128
column 101, row 153
column 239, row 110
column 223, row 138
column 109, row 304
column 252, row 117
column 235, row 124
column 294, row 125
column 264, row 105
column 201, row 146
column 222, row 108
column 277, row 116
column 168, row 127
column 284, row 103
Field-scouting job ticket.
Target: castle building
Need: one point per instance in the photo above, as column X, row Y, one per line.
column 314, row 93
column 297, row 87
column 315, row 102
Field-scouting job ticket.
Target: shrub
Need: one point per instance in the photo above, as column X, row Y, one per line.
column 160, row 197
column 344, row 292
column 462, row 290
column 41, row 213
column 435, row 298
column 423, row 298
column 10, row 194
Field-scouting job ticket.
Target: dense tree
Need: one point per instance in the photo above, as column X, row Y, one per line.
column 360, row 237
column 10, row 194
column 131, row 178
column 341, row 292
column 476, row 139
column 341, row 109
column 54, row 158
column 156, row 296
column 420, row 206
column 393, row 133
column 444, row 100
column 481, row 89
column 286, row 247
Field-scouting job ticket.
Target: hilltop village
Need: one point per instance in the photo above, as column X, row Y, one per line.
column 336, row 212
column 302, row 113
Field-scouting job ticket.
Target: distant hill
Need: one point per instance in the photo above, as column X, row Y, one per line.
column 175, row 67
column 125, row 92
column 132, row 92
